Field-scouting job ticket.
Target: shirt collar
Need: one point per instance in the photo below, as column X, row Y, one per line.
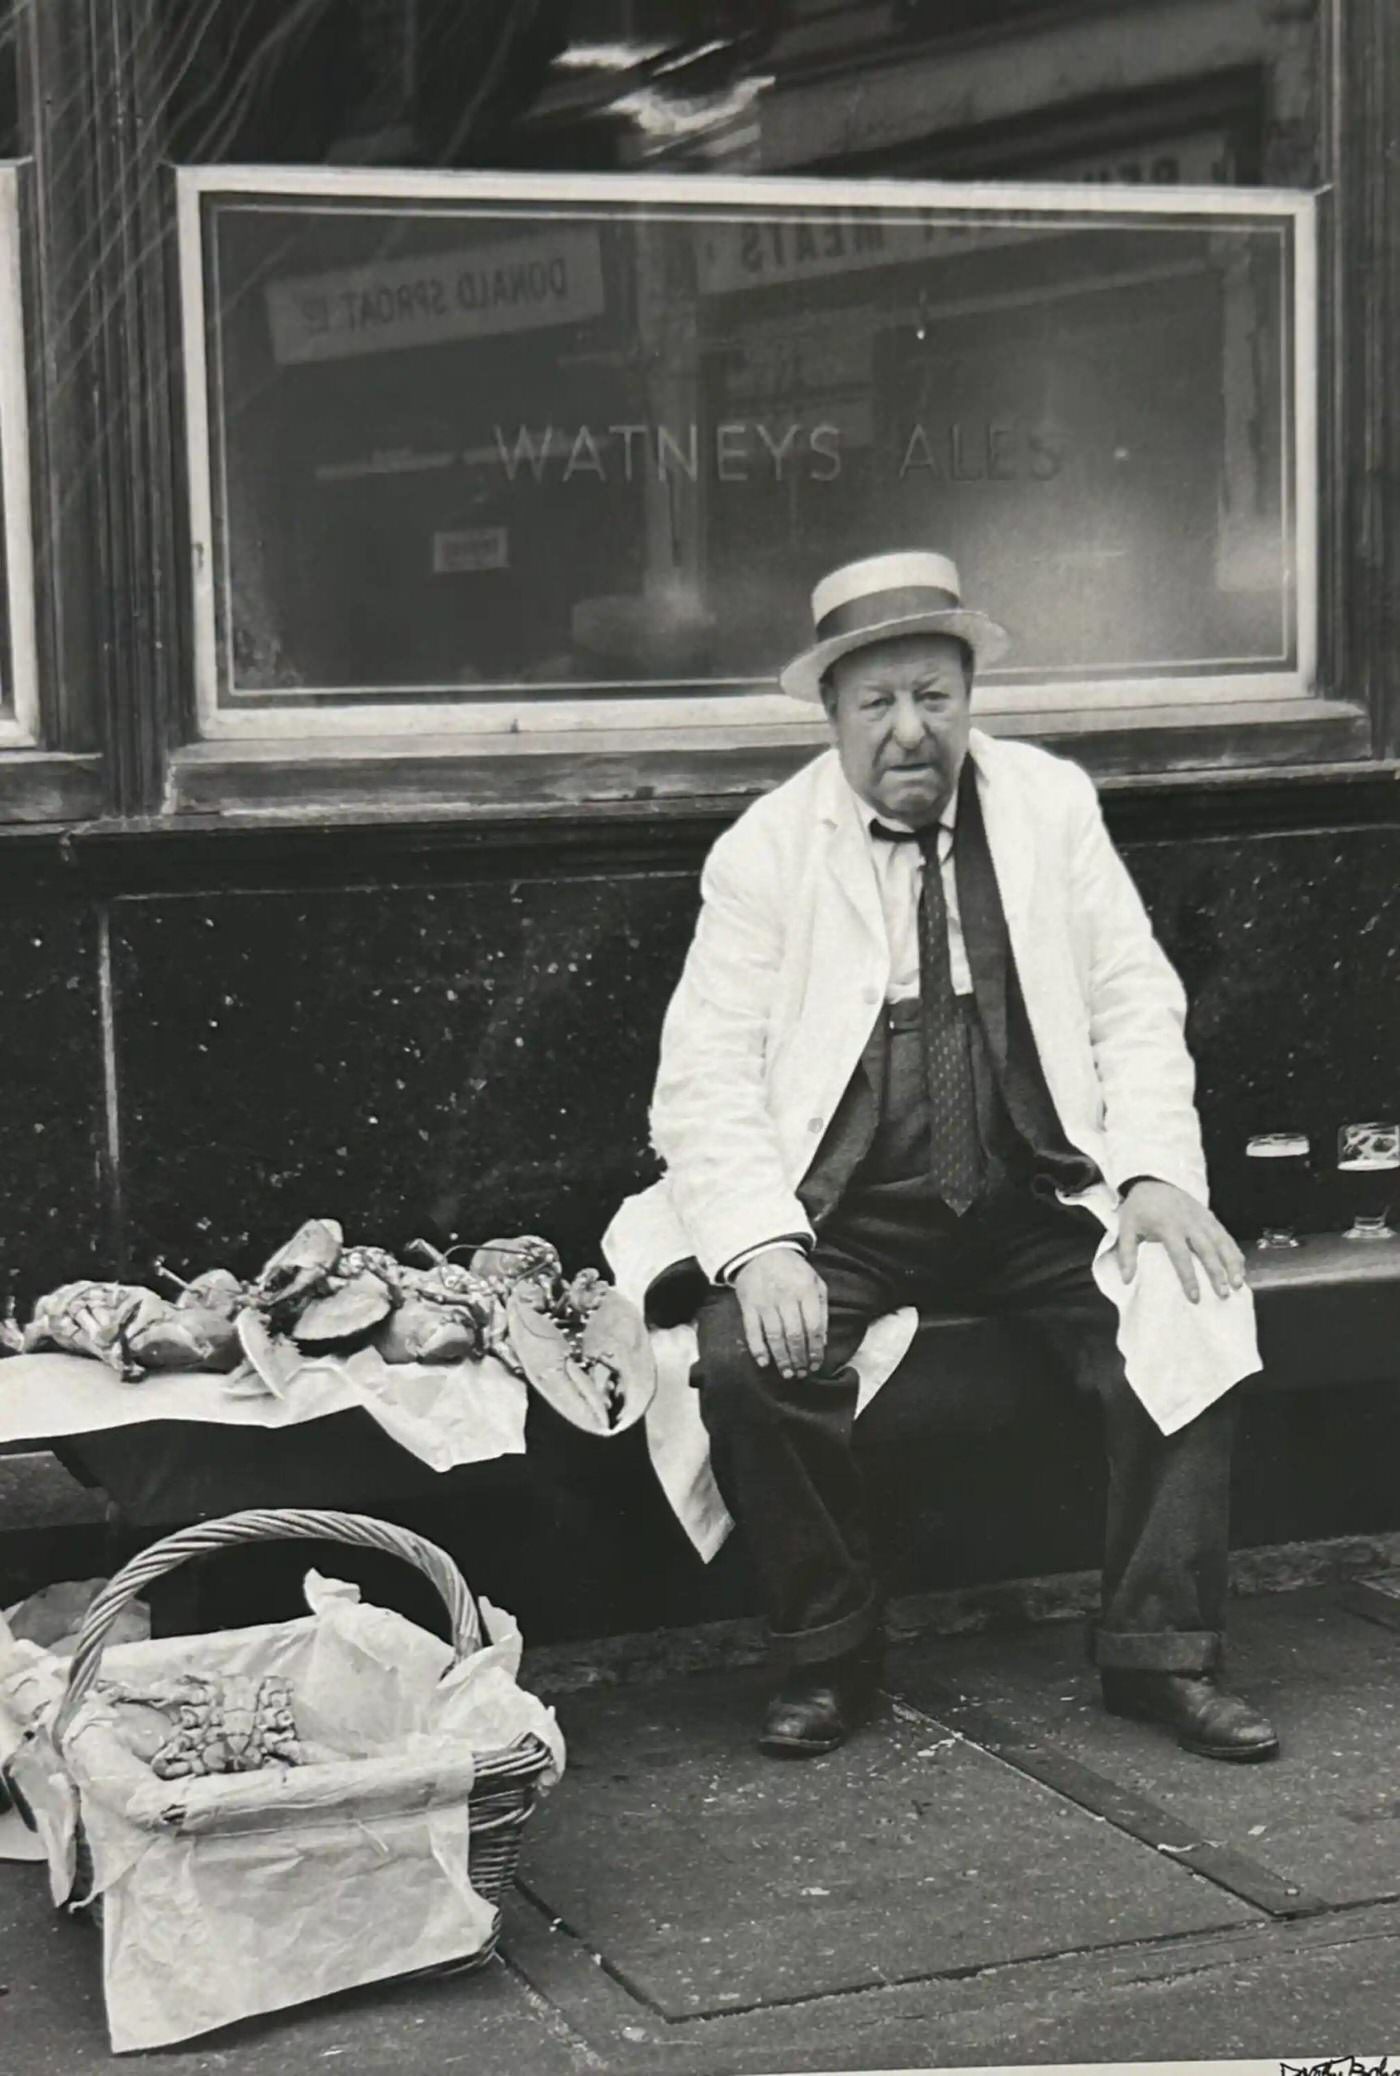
column 947, row 820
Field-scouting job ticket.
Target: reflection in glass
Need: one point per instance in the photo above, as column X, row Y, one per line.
column 1369, row 1156
column 1278, row 1165
column 601, row 447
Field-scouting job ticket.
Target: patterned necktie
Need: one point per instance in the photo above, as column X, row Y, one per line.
column 955, row 1146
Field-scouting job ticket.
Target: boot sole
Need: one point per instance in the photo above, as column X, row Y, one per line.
column 1240, row 1755
column 799, row 1747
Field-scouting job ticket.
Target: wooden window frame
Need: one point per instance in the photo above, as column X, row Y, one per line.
column 21, row 727
column 561, row 721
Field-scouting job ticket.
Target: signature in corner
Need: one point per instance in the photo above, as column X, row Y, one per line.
column 1342, row 2065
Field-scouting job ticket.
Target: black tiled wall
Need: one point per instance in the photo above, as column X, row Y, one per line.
column 54, row 1201
column 475, row 1055
column 1289, row 946
column 469, row 1059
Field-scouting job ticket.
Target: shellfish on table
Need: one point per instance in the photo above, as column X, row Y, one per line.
column 580, row 1344
column 318, row 1291
column 584, row 1348
column 134, row 1331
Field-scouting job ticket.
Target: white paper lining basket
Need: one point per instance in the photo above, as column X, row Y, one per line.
column 362, row 1857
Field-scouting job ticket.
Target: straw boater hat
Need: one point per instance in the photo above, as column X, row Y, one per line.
column 884, row 596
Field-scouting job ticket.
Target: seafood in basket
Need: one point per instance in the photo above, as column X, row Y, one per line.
column 203, row 1725
column 236, row 1867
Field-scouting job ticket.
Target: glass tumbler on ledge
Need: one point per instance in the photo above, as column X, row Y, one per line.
column 1278, row 1166
column 1369, row 1156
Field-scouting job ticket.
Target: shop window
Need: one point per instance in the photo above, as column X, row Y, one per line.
column 486, row 459
column 19, row 715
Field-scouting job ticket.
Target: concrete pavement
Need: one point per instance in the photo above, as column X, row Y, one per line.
column 994, row 1872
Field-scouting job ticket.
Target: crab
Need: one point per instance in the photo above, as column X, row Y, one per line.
column 100, row 1320
column 580, row 1344
column 444, row 1315
column 318, row 1290
column 465, row 1295
column 236, row 1724
column 299, row 1271
column 134, row 1331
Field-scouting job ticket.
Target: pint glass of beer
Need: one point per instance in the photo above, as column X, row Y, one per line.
column 1278, row 1167
column 1369, row 1157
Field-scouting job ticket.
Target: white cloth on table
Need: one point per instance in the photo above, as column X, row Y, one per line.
column 468, row 1413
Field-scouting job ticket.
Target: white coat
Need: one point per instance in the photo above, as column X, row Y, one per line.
column 782, row 983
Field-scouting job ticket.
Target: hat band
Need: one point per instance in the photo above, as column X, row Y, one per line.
column 905, row 601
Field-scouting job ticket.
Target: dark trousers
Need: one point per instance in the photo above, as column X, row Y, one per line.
column 782, row 1448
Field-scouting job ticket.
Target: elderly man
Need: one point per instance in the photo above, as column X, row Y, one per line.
column 926, row 1051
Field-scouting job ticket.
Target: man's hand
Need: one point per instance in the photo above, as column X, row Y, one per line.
column 1160, row 1211
column 783, row 1302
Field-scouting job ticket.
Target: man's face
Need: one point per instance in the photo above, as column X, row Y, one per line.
column 899, row 711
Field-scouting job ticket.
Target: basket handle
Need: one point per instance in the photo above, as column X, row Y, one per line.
column 260, row 1524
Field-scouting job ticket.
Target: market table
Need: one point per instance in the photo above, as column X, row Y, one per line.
column 173, row 1449
column 1328, row 1309
column 1329, row 1314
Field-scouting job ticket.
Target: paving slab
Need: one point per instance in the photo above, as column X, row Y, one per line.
column 1264, row 1999
column 1264, row 1991
column 708, row 1878
column 1325, row 1815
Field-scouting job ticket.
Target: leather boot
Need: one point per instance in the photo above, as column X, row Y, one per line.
column 818, row 1706
column 1206, row 1719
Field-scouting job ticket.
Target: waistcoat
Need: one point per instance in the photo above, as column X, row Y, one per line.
column 880, row 1128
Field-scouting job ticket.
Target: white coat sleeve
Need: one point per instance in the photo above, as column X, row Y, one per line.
column 710, row 1120
column 1137, row 1017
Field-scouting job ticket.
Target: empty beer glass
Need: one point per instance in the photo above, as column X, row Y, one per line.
column 1278, row 1166
column 1369, row 1157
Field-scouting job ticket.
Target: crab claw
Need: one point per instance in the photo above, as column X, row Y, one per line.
column 607, row 1382
column 423, row 1332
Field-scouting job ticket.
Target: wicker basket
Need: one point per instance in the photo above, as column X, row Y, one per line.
column 507, row 1782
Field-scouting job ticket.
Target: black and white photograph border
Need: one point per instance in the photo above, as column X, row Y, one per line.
column 700, row 981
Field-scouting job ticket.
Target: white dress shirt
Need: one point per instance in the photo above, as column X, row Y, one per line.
column 899, row 872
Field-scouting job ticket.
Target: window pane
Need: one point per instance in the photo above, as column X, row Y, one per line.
column 18, row 698
column 461, row 448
